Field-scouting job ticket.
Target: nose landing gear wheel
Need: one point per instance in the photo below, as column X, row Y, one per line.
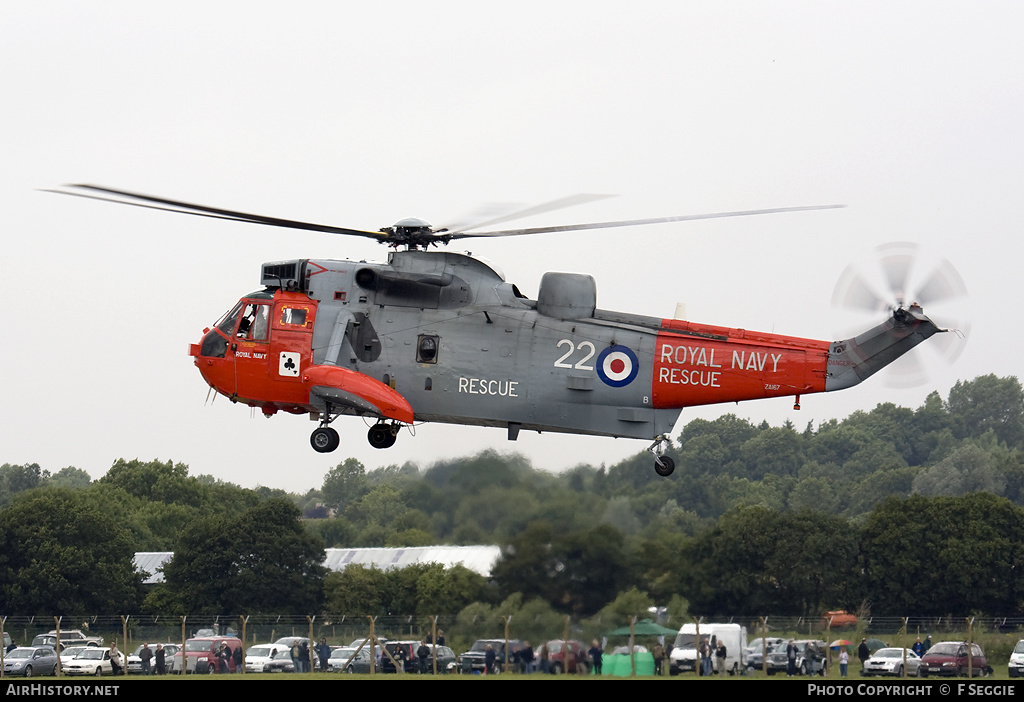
column 382, row 435
column 324, row 440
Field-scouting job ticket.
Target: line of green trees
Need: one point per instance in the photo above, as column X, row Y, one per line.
column 896, row 510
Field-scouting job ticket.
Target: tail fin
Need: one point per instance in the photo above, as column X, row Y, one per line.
column 857, row 359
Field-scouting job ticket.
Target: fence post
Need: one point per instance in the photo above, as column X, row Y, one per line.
column 184, row 656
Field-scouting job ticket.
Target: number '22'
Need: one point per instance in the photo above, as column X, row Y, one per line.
column 581, row 364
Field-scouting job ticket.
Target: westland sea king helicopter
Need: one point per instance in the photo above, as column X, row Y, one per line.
column 437, row 336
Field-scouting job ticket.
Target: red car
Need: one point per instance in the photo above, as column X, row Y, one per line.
column 950, row 658
column 557, row 662
column 201, row 654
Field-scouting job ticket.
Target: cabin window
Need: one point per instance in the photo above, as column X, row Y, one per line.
column 426, row 348
column 296, row 316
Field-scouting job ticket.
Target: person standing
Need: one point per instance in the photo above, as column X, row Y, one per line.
column 596, row 654
column 526, row 658
column 145, row 659
column 423, row 653
column 160, row 659
column 863, row 653
column 489, row 657
column 323, row 652
column 791, row 652
column 810, row 659
column 115, row 659
column 720, row 655
column 844, row 662
column 223, row 658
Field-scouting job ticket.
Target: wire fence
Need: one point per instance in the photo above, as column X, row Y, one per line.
column 459, row 632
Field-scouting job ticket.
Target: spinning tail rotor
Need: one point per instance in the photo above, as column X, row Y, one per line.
column 896, row 277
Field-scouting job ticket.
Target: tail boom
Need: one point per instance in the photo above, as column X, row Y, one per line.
column 857, row 359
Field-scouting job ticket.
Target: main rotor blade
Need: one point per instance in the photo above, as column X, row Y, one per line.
column 159, row 203
column 636, row 222
column 561, row 203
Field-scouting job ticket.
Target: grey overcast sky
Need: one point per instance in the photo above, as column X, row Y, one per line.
column 360, row 114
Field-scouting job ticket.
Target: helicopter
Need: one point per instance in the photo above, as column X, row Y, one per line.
column 436, row 336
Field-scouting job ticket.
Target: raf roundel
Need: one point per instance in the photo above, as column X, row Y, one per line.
column 617, row 366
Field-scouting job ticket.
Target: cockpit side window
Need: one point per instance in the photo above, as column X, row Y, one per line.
column 255, row 322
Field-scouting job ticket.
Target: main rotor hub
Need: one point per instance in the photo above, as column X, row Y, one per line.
column 412, row 224
column 413, row 233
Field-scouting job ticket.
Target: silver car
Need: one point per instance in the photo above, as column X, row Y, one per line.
column 890, row 661
column 346, row 660
column 135, row 660
column 27, row 661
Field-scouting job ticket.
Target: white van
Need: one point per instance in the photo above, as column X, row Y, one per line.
column 684, row 650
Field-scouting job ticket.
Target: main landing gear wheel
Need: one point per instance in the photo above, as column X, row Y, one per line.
column 324, row 440
column 382, row 436
column 664, row 466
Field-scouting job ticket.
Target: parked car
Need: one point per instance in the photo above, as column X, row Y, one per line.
column 70, row 652
column 755, row 659
column 362, row 641
column 135, row 662
column 759, row 645
column 290, row 641
column 91, row 661
column 70, row 637
column 778, row 661
column 577, row 656
column 891, row 661
column 258, row 657
column 348, row 660
column 951, row 658
column 201, row 654
column 1016, row 666
column 306, row 648
column 405, row 652
column 215, row 631
column 26, row 661
column 473, row 659
column 281, row 662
